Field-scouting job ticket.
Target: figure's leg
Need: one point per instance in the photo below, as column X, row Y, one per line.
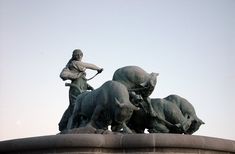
column 73, row 93
column 63, row 122
column 70, row 123
column 75, row 118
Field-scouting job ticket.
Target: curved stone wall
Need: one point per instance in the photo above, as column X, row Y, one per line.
column 129, row 143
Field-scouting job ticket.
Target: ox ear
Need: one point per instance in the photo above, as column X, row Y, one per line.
column 118, row 103
column 201, row 121
column 153, row 79
column 154, row 74
column 144, row 84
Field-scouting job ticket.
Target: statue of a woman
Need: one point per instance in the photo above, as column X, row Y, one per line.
column 75, row 71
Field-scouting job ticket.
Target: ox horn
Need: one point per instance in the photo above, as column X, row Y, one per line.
column 153, row 79
column 144, row 84
column 118, row 103
column 133, row 107
column 201, row 121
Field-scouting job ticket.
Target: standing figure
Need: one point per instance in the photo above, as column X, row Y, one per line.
column 75, row 71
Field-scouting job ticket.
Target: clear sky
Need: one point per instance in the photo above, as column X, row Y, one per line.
column 191, row 43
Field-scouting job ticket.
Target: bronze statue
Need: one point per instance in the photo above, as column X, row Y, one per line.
column 123, row 103
column 75, row 72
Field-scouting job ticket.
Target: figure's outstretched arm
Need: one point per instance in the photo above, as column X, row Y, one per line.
column 88, row 66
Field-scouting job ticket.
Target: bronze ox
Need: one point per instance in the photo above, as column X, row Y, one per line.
column 174, row 115
column 139, row 83
column 107, row 105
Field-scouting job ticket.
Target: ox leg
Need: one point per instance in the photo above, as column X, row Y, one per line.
column 117, row 128
column 126, row 129
column 151, row 110
column 95, row 116
column 158, row 127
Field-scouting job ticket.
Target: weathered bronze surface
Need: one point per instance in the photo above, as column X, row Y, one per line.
column 122, row 103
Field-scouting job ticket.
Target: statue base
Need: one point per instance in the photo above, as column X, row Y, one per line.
column 123, row 143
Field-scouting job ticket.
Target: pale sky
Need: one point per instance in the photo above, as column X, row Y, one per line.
column 191, row 43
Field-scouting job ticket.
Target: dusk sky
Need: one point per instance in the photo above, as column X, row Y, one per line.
column 190, row 43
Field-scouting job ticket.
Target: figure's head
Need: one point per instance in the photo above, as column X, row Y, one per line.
column 77, row 54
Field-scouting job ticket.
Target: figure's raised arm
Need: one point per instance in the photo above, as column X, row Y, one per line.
column 84, row 65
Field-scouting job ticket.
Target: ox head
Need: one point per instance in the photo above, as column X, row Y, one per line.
column 123, row 111
column 194, row 126
column 149, row 85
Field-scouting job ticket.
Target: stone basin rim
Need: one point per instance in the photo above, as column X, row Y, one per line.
column 120, row 141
